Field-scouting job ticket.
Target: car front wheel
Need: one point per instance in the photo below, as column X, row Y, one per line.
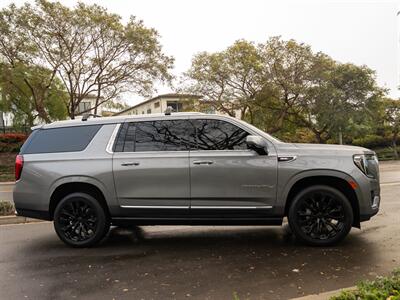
column 80, row 220
column 320, row 216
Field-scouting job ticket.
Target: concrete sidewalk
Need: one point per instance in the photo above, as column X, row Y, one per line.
column 6, row 189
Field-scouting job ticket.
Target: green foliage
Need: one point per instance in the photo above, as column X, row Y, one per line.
column 6, row 208
column 30, row 94
column 11, row 142
column 88, row 49
column 285, row 88
column 381, row 288
column 372, row 141
column 386, row 153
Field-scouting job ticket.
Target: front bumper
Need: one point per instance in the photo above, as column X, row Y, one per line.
column 370, row 198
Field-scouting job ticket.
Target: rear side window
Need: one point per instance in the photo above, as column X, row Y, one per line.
column 169, row 135
column 65, row 139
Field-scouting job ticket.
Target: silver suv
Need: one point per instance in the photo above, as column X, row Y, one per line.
column 190, row 168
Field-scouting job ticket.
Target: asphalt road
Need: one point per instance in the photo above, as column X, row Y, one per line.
column 166, row 262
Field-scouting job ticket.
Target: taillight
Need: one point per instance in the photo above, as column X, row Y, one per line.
column 19, row 163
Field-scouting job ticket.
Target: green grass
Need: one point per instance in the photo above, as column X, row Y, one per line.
column 385, row 288
column 6, row 208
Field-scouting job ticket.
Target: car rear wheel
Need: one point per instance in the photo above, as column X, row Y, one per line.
column 320, row 216
column 80, row 220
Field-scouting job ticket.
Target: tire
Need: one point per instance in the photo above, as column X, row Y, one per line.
column 320, row 216
column 80, row 221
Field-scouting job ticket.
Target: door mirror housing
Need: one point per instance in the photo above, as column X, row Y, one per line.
column 257, row 143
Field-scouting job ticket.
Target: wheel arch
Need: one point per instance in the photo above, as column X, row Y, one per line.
column 338, row 181
column 69, row 187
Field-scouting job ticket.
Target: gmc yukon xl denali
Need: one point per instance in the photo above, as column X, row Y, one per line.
column 189, row 168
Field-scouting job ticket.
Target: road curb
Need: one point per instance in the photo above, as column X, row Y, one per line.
column 7, row 183
column 326, row 295
column 7, row 220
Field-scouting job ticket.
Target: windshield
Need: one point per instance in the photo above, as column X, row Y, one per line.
column 260, row 132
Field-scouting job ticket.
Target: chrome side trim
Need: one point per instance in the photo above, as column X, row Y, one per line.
column 110, row 144
column 155, row 206
column 232, row 207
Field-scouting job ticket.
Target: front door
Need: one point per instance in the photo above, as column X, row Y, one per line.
column 151, row 168
column 227, row 178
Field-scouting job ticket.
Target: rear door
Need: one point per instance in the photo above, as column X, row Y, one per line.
column 151, row 168
column 227, row 178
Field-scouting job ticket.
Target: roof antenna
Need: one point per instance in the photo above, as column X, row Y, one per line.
column 168, row 111
column 86, row 116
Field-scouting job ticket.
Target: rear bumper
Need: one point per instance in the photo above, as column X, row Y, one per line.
column 35, row 214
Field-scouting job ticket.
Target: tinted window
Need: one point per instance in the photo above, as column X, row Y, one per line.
column 65, row 139
column 174, row 135
column 219, row 135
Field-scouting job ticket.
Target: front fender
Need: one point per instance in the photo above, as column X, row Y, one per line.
column 285, row 186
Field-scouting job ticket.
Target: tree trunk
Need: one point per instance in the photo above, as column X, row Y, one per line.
column 318, row 137
column 43, row 113
column 394, row 144
column 72, row 107
column 97, row 99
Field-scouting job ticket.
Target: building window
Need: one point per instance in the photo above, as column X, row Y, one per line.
column 149, row 111
column 157, row 104
column 142, row 112
column 83, row 107
column 176, row 106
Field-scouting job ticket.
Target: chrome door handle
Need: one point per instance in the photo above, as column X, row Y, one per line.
column 127, row 164
column 203, row 162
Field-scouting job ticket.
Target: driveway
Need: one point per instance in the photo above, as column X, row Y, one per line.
column 205, row 262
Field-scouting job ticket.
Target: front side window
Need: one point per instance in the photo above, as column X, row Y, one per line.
column 171, row 135
column 219, row 135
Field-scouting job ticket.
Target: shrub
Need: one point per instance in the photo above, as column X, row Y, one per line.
column 11, row 142
column 373, row 141
column 6, row 208
column 381, row 288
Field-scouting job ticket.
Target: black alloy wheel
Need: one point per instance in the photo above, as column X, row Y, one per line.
column 320, row 216
column 80, row 221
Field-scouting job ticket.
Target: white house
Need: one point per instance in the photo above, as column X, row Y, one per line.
column 158, row 104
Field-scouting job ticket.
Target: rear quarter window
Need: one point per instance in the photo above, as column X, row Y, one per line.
column 65, row 139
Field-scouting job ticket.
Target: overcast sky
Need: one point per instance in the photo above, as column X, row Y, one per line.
column 361, row 32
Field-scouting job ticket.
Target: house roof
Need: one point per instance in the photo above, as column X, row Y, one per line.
column 164, row 96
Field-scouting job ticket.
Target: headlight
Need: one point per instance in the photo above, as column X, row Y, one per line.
column 367, row 163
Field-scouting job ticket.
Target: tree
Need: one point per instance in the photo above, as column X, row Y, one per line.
column 283, row 86
column 340, row 96
column 21, row 65
column 228, row 80
column 392, row 119
column 25, row 93
column 90, row 50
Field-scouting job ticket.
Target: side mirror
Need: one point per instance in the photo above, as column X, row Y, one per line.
column 257, row 143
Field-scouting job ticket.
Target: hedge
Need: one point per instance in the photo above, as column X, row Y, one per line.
column 11, row 142
column 373, row 141
column 6, row 208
